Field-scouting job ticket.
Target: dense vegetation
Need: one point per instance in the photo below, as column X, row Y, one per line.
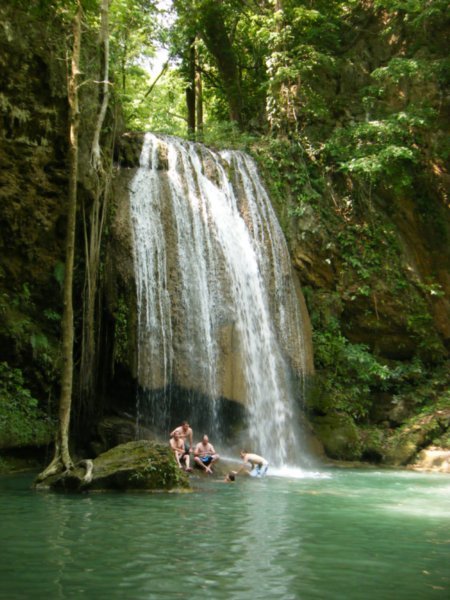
column 344, row 106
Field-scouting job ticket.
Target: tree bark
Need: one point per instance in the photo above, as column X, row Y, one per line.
column 104, row 41
column 198, row 98
column 93, row 232
column 62, row 459
column 190, row 90
column 217, row 40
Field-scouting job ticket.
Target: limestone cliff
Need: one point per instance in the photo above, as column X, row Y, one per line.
column 33, row 192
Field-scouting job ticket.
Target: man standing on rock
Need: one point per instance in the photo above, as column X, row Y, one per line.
column 258, row 464
column 181, row 456
column 185, row 433
column 205, row 455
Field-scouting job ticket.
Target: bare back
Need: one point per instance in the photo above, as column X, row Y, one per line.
column 254, row 459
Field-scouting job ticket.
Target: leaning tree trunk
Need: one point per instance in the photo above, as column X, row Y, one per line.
column 62, row 459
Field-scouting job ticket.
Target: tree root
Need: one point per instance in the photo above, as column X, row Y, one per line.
column 89, row 467
column 54, row 468
column 61, row 462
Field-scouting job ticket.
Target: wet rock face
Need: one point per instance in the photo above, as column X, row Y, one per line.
column 188, row 364
column 114, row 430
column 339, row 436
column 33, row 179
column 140, row 465
column 433, row 459
column 33, row 191
column 128, row 150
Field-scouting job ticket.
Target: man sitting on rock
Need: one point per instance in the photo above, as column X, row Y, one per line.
column 205, row 455
column 181, row 456
column 185, row 433
column 259, row 465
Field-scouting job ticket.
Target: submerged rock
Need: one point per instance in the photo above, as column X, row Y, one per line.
column 140, row 465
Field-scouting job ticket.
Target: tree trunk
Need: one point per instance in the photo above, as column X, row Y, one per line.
column 93, row 233
column 62, row 459
column 198, row 98
column 104, row 41
column 190, row 90
column 217, row 40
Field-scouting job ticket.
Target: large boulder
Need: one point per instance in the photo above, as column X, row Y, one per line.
column 113, row 430
column 141, row 465
column 419, row 433
column 339, row 436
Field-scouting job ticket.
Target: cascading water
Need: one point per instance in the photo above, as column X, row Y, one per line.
column 216, row 303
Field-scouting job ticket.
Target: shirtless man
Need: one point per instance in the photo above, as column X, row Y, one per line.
column 205, row 455
column 258, row 463
column 185, row 433
column 177, row 445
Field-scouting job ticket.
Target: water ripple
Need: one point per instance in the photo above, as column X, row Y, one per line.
column 274, row 538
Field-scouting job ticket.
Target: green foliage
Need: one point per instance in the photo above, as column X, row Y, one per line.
column 58, row 273
column 348, row 373
column 22, row 422
column 294, row 178
column 380, row 150
column 163, row 110
column 121, row 331
column 226, row 135
column 52, row 315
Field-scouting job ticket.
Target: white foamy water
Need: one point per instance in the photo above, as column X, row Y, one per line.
column 214, row 281
column 296, row 473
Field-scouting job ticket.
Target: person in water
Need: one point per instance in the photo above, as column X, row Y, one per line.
column 185, row 432
column 230, row 477
column 259, row 465
column 205, row 455
column 181, row 456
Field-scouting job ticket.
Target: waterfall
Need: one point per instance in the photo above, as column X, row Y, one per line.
column 217, row 308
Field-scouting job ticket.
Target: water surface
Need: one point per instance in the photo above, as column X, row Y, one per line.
column 349, row 534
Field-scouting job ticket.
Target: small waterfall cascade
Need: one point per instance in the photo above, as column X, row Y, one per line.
column 217, row 307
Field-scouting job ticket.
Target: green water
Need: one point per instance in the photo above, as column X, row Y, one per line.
column 356, row 534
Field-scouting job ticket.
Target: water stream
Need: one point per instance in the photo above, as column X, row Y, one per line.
column 346, row 535
column 217, row 306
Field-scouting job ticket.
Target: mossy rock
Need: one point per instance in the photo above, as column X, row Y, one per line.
column 402, row 450
column 373, row 441
column 140, row 465
column 129, row 149
column 339, row 436
column 415, row 435
column 113, row 430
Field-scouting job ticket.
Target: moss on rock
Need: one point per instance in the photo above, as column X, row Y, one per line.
column 339, row 436
column 140, row 465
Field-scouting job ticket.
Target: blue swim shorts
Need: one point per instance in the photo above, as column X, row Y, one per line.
column 259, row 470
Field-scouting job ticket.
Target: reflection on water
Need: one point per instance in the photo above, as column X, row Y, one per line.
column 350, row 535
